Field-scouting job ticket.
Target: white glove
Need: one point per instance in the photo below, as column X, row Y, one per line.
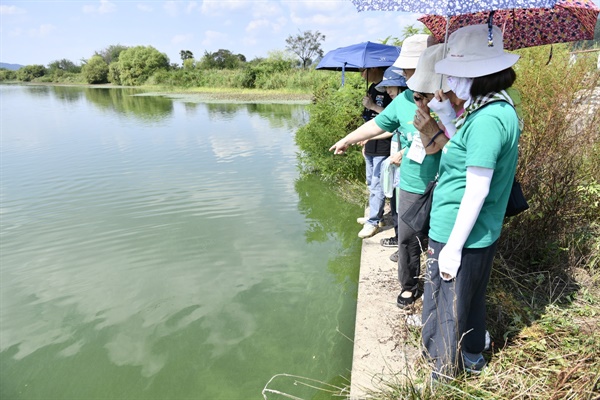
column 445, row 112
column 449, row 262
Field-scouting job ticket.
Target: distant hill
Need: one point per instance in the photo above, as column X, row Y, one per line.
column 12, row 67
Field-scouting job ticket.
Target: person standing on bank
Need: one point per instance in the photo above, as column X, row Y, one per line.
column 374, row 151
column 476, row 172
column 419, row 166
column 394, row 84
column 413, row 175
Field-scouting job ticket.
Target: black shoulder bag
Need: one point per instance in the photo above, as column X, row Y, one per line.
column 417, row 215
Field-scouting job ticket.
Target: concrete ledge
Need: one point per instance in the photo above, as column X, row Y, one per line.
column 381, row 352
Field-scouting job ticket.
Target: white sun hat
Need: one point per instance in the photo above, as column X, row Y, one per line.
column 411, row 49
column 471, row 56
column 425, row 79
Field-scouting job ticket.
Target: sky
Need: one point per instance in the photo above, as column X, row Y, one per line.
column 43, row 31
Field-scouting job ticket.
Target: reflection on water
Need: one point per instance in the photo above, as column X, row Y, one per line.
column 157, row 249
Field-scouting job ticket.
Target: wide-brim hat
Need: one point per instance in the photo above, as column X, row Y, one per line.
column 471, row 56
column 425, row 79
column 392, row 77
column 411, row 49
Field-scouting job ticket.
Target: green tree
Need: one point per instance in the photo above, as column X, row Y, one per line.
column 189, row 64
column 95, row 70
column 114, row 73
column 186, row 55
column 306, row 46
column 221, row 59
column 7, row 75
column 63, row 65
column 137, row 64
column 111, row 53
column 30, row 72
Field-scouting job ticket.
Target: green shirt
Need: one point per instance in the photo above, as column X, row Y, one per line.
column 488, row 138
column 399, row 115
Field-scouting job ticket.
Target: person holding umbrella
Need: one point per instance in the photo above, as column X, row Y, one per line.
column 476, row 173
column 417, row 167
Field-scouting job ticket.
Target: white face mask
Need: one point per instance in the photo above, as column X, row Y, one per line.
column 460, row 86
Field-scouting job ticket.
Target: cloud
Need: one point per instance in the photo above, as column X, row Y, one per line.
column 275, row 25
column 15, row 32
column 43, row 31
column 192, row 5
column 215, row 7
column 144, row 8
column 315, row 19
column 11, row 10
column 312, row 6
column 177, row 39
column 105, row 7
column 266, row 9
column 212, row 37
column 171, row 8
column 257, row 24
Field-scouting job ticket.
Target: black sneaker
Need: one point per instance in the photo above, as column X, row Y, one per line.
column 389, row 242
column 394, row 257
column 404, row 302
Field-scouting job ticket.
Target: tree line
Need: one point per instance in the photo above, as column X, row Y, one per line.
column 133, row 66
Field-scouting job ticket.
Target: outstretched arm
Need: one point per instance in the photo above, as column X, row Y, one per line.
column 366, row 131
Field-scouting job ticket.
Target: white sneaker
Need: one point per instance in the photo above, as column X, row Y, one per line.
column 367, row 231
column 364, row 220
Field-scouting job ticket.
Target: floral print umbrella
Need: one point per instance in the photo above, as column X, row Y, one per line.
column 567, row 21
column 448, row 8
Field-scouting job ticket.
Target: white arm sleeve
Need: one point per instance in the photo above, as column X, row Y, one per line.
column 446, row 114
column 476, row 190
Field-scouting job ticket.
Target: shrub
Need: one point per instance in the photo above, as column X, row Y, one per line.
column 137, row 64
column 114, row 73
column 334, row 113
column 558, row 163
column 30, row 72
column 7, row 75
column 96, row 70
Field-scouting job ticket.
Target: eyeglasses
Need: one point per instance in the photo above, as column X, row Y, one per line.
column 419, row 96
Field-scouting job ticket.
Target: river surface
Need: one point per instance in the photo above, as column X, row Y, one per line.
column 156, row 248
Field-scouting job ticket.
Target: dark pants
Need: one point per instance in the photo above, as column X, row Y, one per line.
column 394, row 212
column 410, row 245
column 454, row 311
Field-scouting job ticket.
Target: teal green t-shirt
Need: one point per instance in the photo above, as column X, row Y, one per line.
column 399, row 115
column 488, row 139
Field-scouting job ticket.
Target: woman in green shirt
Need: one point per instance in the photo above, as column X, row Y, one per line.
column 476, row 172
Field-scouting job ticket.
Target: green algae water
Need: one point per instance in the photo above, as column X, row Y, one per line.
column 154, row 248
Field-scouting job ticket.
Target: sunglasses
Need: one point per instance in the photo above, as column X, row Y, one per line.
column 418, row 96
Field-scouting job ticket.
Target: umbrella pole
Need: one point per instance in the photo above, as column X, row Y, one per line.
column 445, row 47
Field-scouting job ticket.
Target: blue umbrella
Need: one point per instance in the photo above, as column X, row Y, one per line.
column 359, row 56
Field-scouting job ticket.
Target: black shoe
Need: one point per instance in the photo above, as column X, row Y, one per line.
column 389, row 242
column 394, row 257
column 404, row 302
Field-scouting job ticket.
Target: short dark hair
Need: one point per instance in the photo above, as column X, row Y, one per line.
column 493, row 83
